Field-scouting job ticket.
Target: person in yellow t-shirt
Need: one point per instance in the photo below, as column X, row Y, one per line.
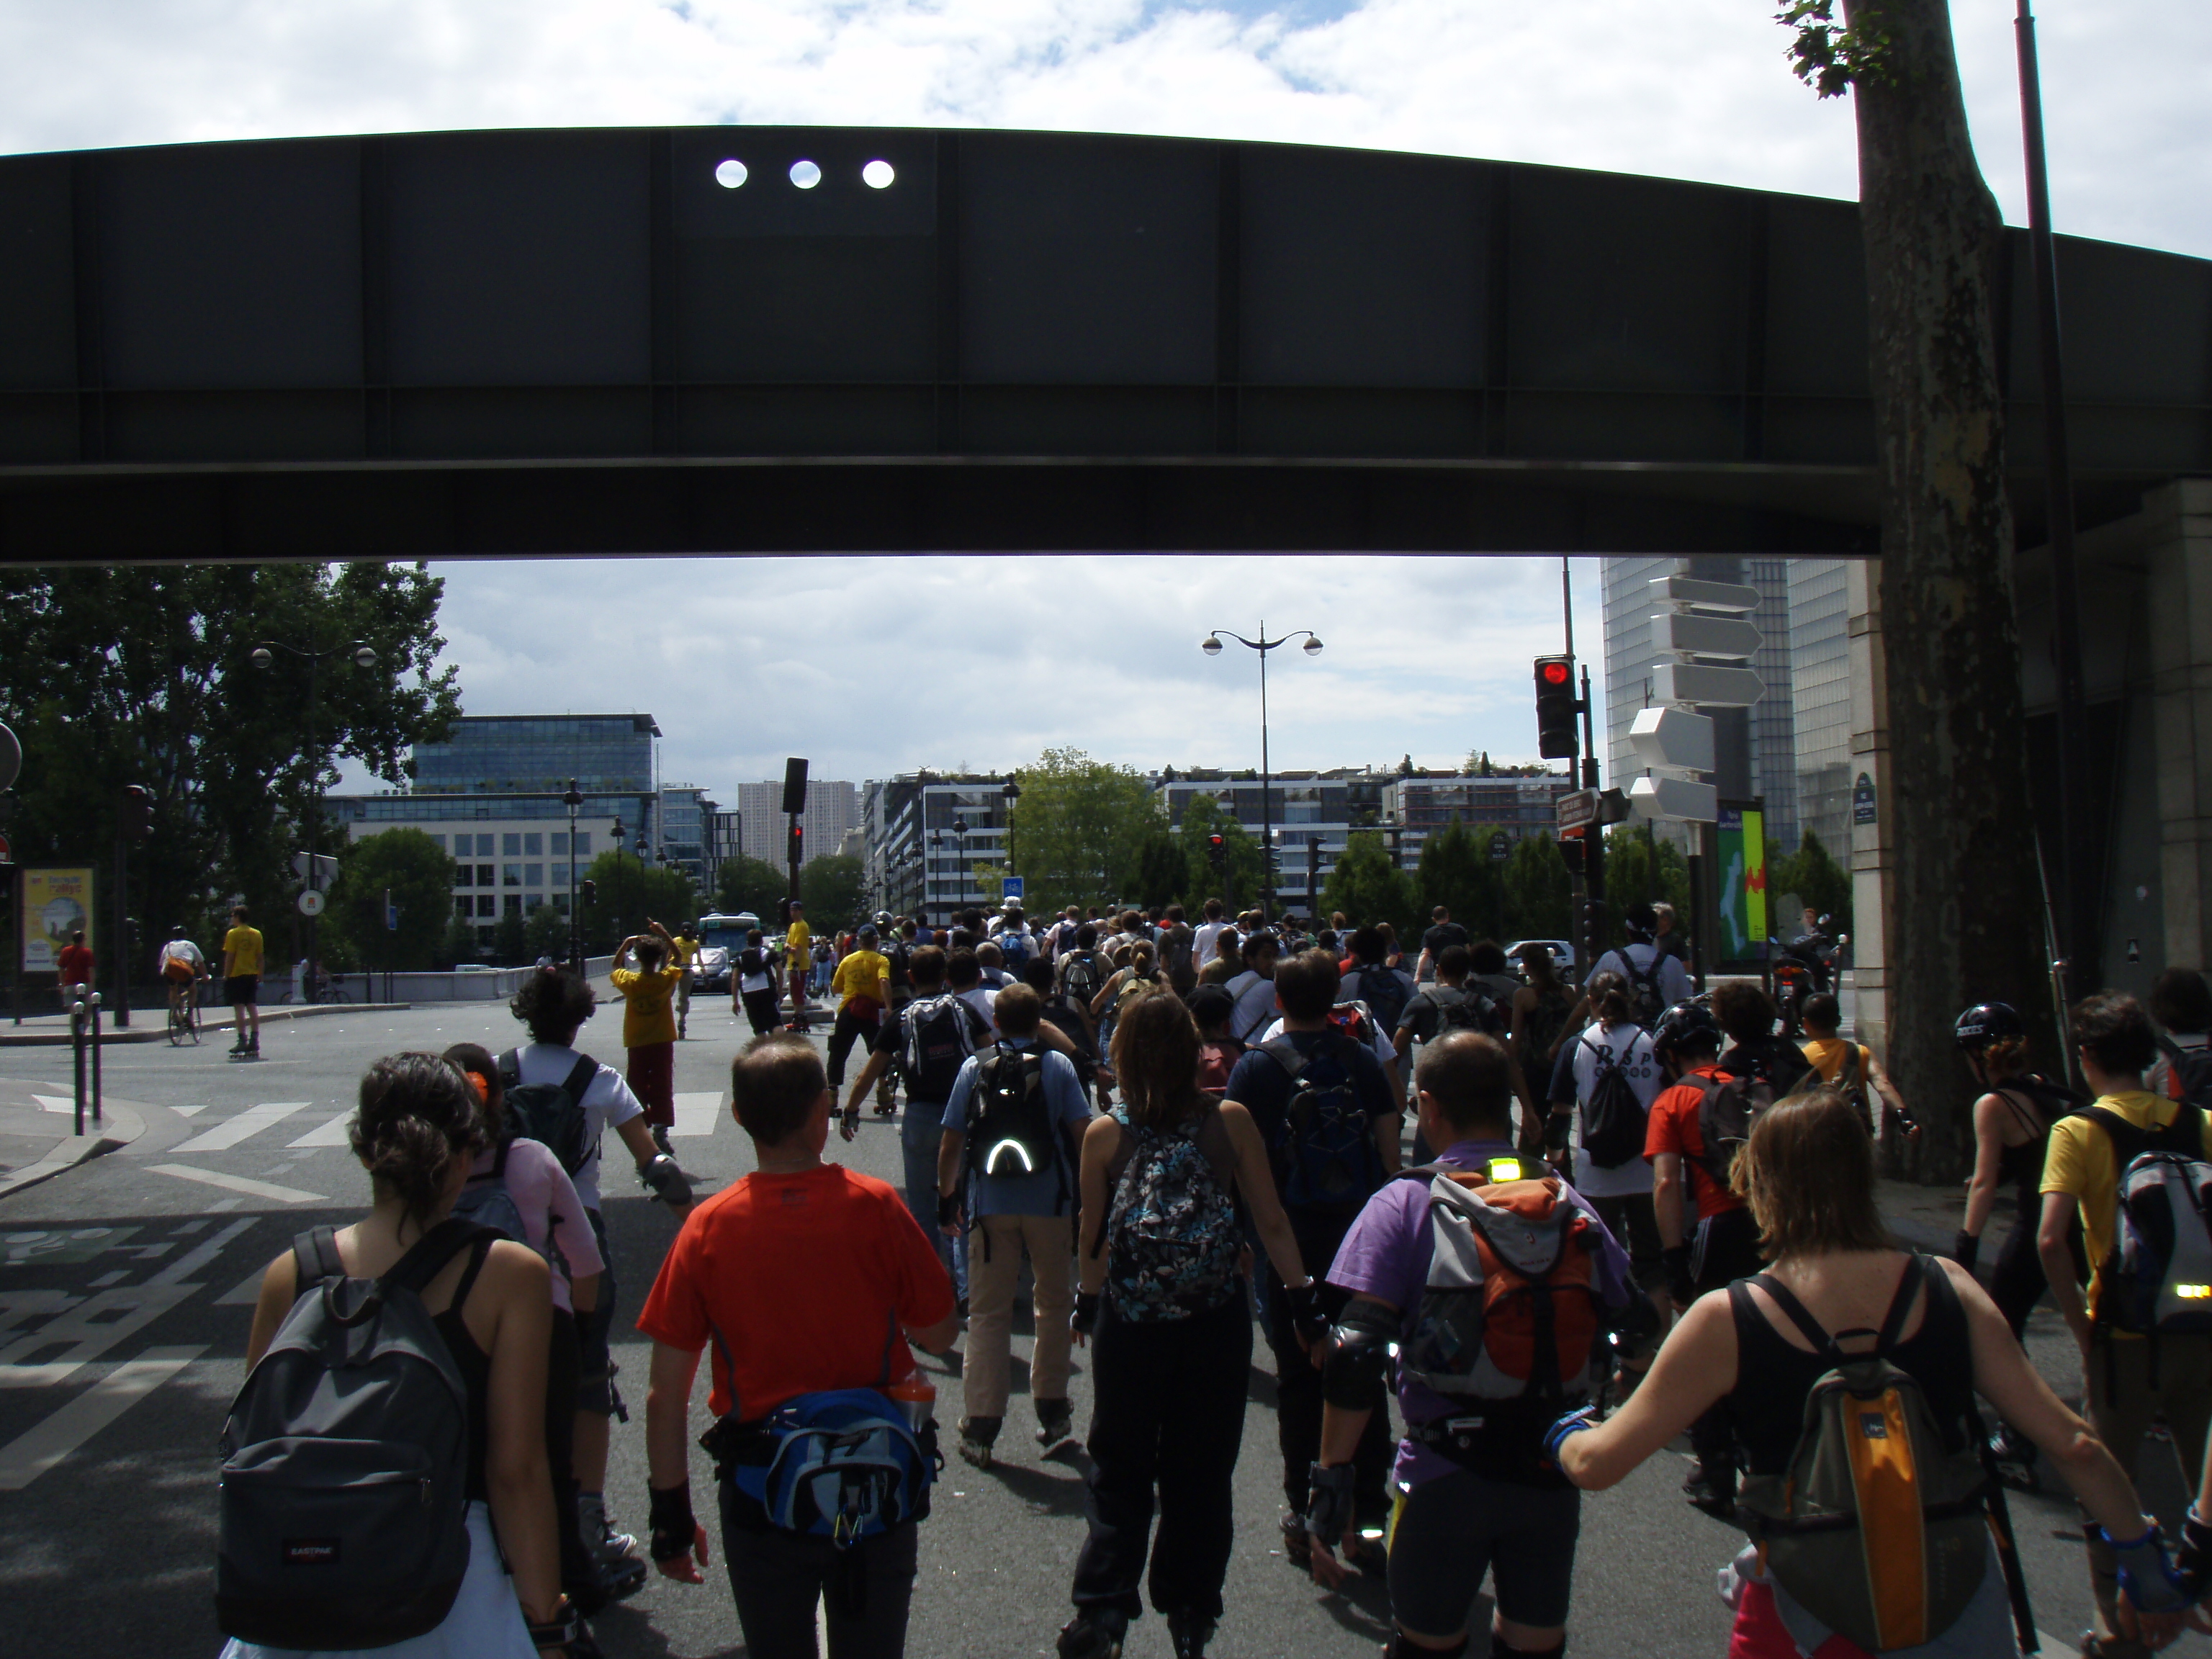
column 685, row 948
column 1850, row 1064
column 2126, row 1391
column 241, row 981
column 649, row 1024
column 863, row 979
column 797, row 962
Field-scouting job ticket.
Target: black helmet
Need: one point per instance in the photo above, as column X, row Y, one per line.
column 1680, row 1023
column 1985, row 1022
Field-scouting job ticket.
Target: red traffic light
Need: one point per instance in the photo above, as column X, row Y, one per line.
column 1213, row 840
column 1556, row 673
column 1556, row 706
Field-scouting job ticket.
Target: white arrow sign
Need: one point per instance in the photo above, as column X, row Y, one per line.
column 1704, row 636
column 1713, row 596
column 1715, row 688
column 1673, row 738
column 1675, row 798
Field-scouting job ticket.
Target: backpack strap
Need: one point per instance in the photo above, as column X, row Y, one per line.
column 1795, row 1311
column 427, row 1258
column 315, row 1258
column 1287, row 1054
column 510, row 1071
column 580, row 1078
column 2128, row 1142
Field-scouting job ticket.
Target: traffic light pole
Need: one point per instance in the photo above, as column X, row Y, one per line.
column 121, row 947
column 1592, row 941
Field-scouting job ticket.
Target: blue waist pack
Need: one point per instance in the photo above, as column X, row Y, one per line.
column 844, row 1464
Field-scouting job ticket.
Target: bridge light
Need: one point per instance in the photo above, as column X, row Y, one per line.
column 878, row 175
column 731, row 174
column 805, row 174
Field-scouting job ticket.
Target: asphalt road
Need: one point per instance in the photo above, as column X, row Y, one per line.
column 125, row 1293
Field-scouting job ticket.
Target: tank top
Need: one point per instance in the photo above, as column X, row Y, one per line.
column 1773, row 1375
column 475, row 1366
column 2021, row 1166
column 1213, row 1140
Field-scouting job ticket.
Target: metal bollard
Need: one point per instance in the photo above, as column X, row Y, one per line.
column 76, row 1012
column 95, row 1061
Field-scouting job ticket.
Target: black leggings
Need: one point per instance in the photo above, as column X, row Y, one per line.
column 843, row 1035
column 562, row 1364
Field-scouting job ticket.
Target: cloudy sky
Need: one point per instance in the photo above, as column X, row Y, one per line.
column 877, row 665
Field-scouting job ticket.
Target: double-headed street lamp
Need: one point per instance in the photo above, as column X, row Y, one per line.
column 264, row 656
column 573, row 799
column 1211, row 646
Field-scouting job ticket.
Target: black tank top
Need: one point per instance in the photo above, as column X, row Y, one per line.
column 475, row 1365
column 1774, row 1375
column 2021, row 1166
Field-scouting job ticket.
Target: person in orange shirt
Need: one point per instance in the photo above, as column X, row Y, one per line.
column 804, row 1276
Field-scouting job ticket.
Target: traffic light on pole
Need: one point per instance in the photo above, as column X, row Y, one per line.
column 1556, row 707
column 589, row 891
column 798, row 837
column 138, row 819
column 1217, row 850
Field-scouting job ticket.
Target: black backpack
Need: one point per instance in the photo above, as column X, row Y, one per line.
column 751, row 961
column 1383, row 992
column 1010, row 1126
column 552, row 1113
column 1614, row 1118
column 939, row 1037
column 1466, row 1010
column 1646, row 1002
column 1081, row 982
column 2192, row 1070
column 1731, row 1107
column 1327, row 1156
column 345, row 1488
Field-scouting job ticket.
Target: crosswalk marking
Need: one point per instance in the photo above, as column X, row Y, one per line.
column 39, row 1448
column 83, row 1333
column 697, row 1114
column 231, row 1183
column 188, row 1111
column 244, row 1293
column 193, row 1259
column 250, row 1122
column 333, row 1134
column 55, row 1104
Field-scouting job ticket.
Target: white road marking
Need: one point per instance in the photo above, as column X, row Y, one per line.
column 86, row 1332
column 244, row 1293
column 223, row 1204
column 39, row 1448
column 697, row 1115
column 106, row 1279
column 58, row 1103
column 188, row 1111
column 333, row 1134
column 193, row 1259
column 231, row 1183
column 250, row 1122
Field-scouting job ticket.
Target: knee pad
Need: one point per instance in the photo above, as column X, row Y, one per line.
column 1400, row 1648
column 1502, row 1648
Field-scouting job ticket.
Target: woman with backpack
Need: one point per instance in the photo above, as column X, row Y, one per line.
column 1539, row 1012
column 2012, row 1127
column 417, row 1131
column 1140, row 977
column 1801, row 1353
column 1170, row 1319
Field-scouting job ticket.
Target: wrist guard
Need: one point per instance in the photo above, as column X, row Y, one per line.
column 1967, row 1248
column 2147, row 1576
column 1328, row 1503
column 564, row 1628
column 1573, row 1422
column 674, row 1527
column 667, row 1181
column 2192, row 1562
column 1084, row 1319
column 1679, row 1285
column 948, row 1209
column 1307, row 1318
column 1558, row 1130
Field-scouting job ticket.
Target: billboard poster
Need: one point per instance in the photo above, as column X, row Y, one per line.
column 1742, row 851
column 55, row 903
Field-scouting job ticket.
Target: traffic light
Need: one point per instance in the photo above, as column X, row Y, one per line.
column 138, row 815
column 1217, row 850
column 1556, row 707
column 589, row 891
column 798, row 838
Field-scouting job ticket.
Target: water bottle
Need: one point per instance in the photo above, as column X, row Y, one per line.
column 915, row 1395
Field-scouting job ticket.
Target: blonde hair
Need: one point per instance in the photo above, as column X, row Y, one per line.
column 1807, row 1174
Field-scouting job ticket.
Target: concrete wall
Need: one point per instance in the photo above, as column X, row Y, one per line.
column 496, row 986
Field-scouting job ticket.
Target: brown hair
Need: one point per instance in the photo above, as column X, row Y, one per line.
column 1017, row 1008
column 1608, row 994
column 926, row 965
column 1306, row 985
column 1156, row 1061
column 1745, row 1012
column 650, row 953
column 1469, row 1077
column 482, row 1071
column 417, row 1115
column 2004, row 1059
column 1536, row 962
column 1807, row 1174
column 774, row 1085
column 2112, row 1028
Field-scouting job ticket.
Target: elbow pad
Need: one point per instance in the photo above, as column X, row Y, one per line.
column 668, row 1182
column 1558, row 1130
column 1356, row 1363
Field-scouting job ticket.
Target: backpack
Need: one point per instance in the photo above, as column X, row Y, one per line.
column 552, row 1113
column 1467, row 1011
column 1646, row 1002
column 1509, row 1315
column 1725, row 1116
column 939, row 1037
column 1174, row 957
column 1327, row 1156
column 486, row 1201
column 2154, row 1278
column 1217, row 1059
column 752, row 960
column 1875, row 1529
column 1614, row 1118
column 1010, row 1126
column 844, row 1464
column 1171, row 1234
column 1383, row 991
column 1015, row 949
column 345, row 1488
column 1542, row 1028
column 1080, row 984
column 2192, row 1070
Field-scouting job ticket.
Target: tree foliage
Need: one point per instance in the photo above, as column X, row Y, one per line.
column 417, row 874
column 1458, row 873
column 1816, row 879
column 1539, row 898
column 1163, row 873
column 746, row 883
column 631, row 893
column 1367, row 889
column 1630, row 877
column 1078, row 831
column 142, row 674
column 1237, row 884
column 545, row 933
column 835, row 889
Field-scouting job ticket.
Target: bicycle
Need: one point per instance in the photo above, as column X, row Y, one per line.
column 184, row 1018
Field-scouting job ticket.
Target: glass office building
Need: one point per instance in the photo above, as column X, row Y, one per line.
column 1820, row 682
column 527, row 754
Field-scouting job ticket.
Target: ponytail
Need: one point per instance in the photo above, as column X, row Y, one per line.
column 417, row 1115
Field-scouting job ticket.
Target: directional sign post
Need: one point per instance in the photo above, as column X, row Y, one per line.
column 1713, row 686
column 1578, row 808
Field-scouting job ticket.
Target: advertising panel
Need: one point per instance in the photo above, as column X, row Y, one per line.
column 55, row 903
column 1742, row 828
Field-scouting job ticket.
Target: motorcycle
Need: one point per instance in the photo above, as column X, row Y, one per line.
column 1806, row 965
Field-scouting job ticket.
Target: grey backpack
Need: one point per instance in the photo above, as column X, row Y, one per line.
column 345, row 1459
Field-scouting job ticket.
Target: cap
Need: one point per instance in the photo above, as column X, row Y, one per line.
column 867, row 931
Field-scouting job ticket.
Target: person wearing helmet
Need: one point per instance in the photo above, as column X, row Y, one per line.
column 1725, row 1246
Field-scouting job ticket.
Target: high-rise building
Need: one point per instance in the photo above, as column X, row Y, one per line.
column 832, row 809
column 1820, row 695
column 532, row 754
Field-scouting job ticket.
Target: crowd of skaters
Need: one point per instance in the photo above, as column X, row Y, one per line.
column 1186, row 1127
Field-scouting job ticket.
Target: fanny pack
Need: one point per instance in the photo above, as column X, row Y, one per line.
column 844, row 1464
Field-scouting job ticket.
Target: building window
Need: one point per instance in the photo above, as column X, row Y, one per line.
column 583, row 843
column 557, row 875
column 560, row 903
column 465, row 907
column 463, row 875
column 532, row 844
column 533, row 902
column 486, row 904
column 514, row 904
column 511, row 845
column 438, row 842
column 533, row 875
column 560, row 841
column 510, row 875
column 484, row 876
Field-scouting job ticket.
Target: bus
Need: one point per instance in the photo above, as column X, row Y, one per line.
column 721, row 939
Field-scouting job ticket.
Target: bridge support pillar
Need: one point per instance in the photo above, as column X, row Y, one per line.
column 1870, row 842
column 2179, row 522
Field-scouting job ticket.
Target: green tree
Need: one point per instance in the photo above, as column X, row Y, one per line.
column 1815, row 879
column 458, row 946
column 836, row 890
column 1077, row 831
column 1458, row 873
column 1629, row 879
column 746, row 883
column 419, row 876
column 1237, row 884
column 1163, row 873
column 143, row 674
column 1538, row 899
column 1366, row 887
column 510, row 940
column 545, row 933
column 629, row 894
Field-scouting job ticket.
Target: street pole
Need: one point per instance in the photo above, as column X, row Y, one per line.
column 121, row 945
column 1211, row 646
column 573, row 800
column 2077, row 906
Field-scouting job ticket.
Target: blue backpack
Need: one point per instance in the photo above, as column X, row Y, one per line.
column 844, row 1464
column 1014, row 948
column 1327, row 1156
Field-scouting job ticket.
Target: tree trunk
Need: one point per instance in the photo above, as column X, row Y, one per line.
column 1965, row 918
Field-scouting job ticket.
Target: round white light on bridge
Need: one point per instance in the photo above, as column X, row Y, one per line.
column 805, row 174
column 731, row 174
column 1313, row 647
column 878, row 175
column 1211, row 645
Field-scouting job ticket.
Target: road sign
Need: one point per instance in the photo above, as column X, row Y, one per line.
column 11, row 759
column 1863, row 807
column 1673, row 737
column 1704, row 636
column 1501, row 846
column 1010, row 887
column 1715, row 688
column 1675, row 799
column 325, row 869
column 311, row 902
column 1577, row 809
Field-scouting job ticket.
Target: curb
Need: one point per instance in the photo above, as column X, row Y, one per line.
column 121, row 1127
column 109, row 1035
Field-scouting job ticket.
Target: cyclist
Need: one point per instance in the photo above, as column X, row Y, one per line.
column 184, row 969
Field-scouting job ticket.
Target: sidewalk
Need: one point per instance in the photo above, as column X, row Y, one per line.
column 38, row 1137
column 152, row 1024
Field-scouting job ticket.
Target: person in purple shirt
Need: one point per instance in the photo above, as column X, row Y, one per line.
column 1495, row 1504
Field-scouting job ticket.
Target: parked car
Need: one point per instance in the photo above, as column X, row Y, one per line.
column 1563, row 954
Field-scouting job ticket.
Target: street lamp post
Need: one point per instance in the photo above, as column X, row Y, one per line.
column 573, row 799
column 617, row 831
column 1211, row 646
column 960, row 861
column 262, row 656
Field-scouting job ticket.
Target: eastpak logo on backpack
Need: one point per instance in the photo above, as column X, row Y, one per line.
column 1010, row 1126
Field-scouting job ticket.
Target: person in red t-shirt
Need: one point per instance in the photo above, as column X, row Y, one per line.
column 73, row 962
column 804, row 1276
column 1725, row 1247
